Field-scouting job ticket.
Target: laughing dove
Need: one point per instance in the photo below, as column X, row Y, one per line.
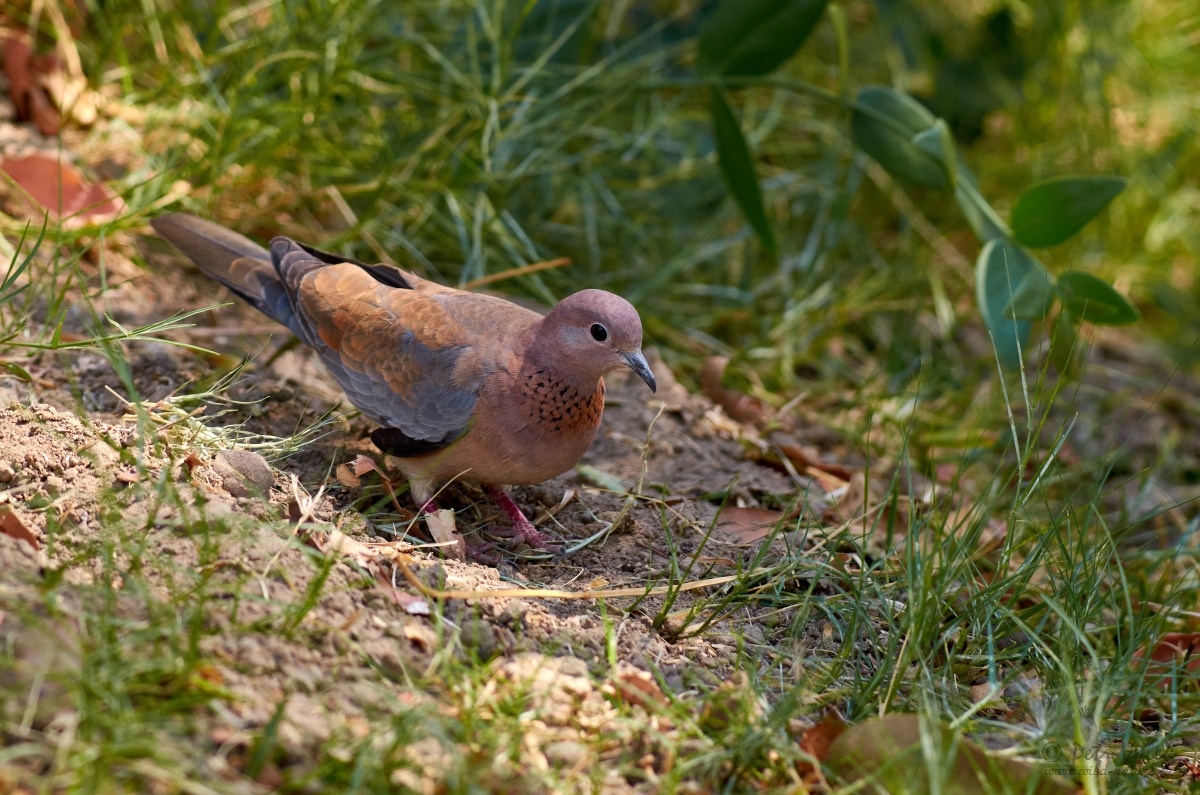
column 462, row 384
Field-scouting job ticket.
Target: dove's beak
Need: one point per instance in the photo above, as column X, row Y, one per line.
column 637, row 363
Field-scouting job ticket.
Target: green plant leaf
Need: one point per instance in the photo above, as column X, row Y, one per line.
column 1001, row 268
column 939, row 144
column 747, row 38
column 1093, row 299
column 1051, row 212
column 887, row 125
column 979, row 214
column 737, row 167
column 1034, row 296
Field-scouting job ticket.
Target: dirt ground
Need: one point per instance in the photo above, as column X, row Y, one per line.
column 329, row 637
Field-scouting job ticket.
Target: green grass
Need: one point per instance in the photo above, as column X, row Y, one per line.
column 463, row 139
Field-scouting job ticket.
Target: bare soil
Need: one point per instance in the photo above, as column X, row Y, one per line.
column 282, row 624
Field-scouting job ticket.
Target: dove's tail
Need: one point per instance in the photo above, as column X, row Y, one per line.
column 232, row 259
column 267, row 280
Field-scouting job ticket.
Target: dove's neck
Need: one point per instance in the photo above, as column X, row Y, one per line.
column 550, row 352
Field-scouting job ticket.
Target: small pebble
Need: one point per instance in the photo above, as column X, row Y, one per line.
column 7, row 473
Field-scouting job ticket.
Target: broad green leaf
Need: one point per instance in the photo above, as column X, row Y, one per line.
column 733, row 156
column 884, row 125
column 1034, row 296
column 939, row 144
column 747, row 38
column 1051, row 212
column 999, row 271
column 893, row 753
column 1093, row 299
column 982, row 218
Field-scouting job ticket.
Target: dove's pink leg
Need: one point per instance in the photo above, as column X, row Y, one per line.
column 522, row 528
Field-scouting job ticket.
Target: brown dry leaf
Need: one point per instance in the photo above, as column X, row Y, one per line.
column 1173, row 652
column 597, row 583
column 738, row 405
column 412, row 604
column 889, row 752
column 421, row 636
column 637, row 687
column 12, row 526
column 345, row 475
column 747, row 525
column 443, row 530
column 342, row 544
column 364, row 464
column 817, row 740
column 808, row 461
column 43, row 114
column 59, row 187
column 17, row 53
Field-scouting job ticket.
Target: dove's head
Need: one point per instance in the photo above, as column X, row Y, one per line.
column 593, row 332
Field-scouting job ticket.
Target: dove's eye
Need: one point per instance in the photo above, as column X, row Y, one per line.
column 599, row 332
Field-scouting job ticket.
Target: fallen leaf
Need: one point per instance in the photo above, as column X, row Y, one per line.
column 364, row 464
column 748, row 525
column 637, row 687
column 1171, row 654
column 808, row 461
column 816, row 741
column 888, row 755
column 738, row 405
column 342, row 544
column 421, row 636
column 18, row 68
column 412, row 604
column 12, row 526
column 59, row 187
column 43, row 113
column 346, row 476
column 597, row 583
column 442, row 528
column 983, row 693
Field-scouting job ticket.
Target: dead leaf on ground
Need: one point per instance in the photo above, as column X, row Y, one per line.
column 817, row 740
column 364, row 464
column 637, row 687
column 57, row 186
column 738, row 405
column 442, row 528
column 25, row 72
column 1172, row 653
column 339, row 543
column 412, row 604
column 12, row 526
column 747, row 525
column 347, row 477
column 889, row 753
column 421, row 636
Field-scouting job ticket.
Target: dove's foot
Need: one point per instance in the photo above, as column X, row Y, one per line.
column 522, row 529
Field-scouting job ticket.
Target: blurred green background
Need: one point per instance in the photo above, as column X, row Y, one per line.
column 467, row 138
